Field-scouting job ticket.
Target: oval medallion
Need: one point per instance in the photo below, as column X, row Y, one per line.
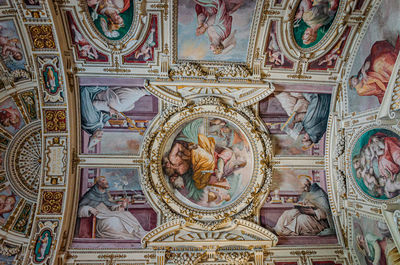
column 375, row 163
column 312, row 21
column 113, row 19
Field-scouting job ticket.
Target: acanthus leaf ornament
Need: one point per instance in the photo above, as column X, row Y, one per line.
column 233, row 71
column 187, row 70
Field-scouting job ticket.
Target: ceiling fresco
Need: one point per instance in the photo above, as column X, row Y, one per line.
column 214, row 30
column 199, row 132
column 367, row 80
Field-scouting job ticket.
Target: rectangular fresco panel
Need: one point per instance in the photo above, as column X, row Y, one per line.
column 114, row 117
column 373, row 65
column 214, row 30
column 10, row 116
column 112, row 210
column 12, row 54
column 373, row 243
column 298, row 208
column 297, row 119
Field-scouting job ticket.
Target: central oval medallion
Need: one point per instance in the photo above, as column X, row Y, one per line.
column 312, row 21
column 207, row 162
column 113, row 19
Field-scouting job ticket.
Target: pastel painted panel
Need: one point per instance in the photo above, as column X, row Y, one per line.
column 145, row 52
column 8, row 201
column 373, row 243
column 12, row 53
column 329, row 60
column 298, row 208
column 375, row 59
column 214, row 30
column 108, row 196
column 10, row 116
column 297, row 119
column 114, row 118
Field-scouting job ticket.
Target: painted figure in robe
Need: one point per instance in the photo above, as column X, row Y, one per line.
column 374, row 75
column 112, row 220
column 312, row 215
column 100, row 103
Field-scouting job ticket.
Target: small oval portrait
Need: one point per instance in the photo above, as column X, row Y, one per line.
column 113, row 19
column 312, row 21
column 207, row 163
column 376, row 163
column 42, row 246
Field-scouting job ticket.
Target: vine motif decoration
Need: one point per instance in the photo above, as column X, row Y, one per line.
column 42, row 37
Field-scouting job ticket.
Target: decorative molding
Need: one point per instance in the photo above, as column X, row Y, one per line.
column 153, row 181
column 240, row 94
column 8, row 250
column 55, row 160
column 187, row 70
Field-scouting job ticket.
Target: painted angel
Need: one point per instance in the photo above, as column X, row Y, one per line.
column 214, row 17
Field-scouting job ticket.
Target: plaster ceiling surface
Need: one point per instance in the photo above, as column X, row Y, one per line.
column 199, row 132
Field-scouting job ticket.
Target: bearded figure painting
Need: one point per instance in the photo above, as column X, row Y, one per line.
column 214, row 29
column 113, row 18
column 313, row 19
column 207, row 163
column 376, row 163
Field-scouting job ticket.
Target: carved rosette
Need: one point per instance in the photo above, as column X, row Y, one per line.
column 166, row 200
column 24, row 160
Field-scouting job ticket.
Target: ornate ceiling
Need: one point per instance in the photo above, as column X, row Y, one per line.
column 199, row 132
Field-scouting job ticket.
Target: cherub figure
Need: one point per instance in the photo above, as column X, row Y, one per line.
column 333, row 55
column 147, row 48
column 10, row 47
column 84, row 47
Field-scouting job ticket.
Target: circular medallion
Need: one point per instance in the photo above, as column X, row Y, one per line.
column 24, row 161
column 375, row 163
column 208, row 162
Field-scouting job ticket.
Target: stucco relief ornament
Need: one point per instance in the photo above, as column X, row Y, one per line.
column 207, row 163
column 341, row 144
column 188, row 70
column 234, row 70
